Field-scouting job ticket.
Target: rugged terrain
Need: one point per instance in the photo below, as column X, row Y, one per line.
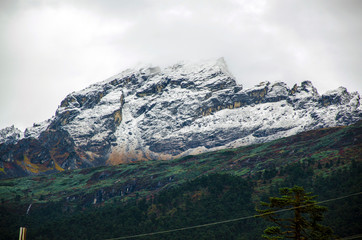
column 149, row 196
column 153, row 114
column 322, row 151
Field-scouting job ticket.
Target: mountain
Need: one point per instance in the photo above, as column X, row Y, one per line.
column 149, row 113
column 149, row 196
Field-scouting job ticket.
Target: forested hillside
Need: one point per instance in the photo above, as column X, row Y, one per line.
column 146, row 197
column 207, row 199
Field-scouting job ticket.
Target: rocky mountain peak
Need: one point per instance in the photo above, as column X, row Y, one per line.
column 10, row 135
column 305, row 90
column 341, row 96
column 153, row 113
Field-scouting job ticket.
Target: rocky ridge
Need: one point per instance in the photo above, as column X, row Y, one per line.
column 149, row 113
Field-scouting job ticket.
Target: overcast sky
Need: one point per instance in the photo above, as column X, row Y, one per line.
column 50, row 48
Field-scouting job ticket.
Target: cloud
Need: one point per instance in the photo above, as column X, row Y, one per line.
column 50, row 51
column 328, row 35
column 51, row 48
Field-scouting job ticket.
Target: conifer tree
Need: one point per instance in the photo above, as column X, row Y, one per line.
column 299, row 218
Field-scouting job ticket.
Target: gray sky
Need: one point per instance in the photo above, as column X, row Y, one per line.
column 50, row 48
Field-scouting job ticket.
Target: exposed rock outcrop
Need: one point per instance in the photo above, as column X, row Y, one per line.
column 150, row 113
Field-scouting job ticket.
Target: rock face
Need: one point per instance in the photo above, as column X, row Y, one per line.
column 10, row 135
column 184, row 109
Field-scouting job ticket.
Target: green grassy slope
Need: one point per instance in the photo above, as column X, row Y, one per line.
column 324, row 151
column 307, row 159
column 208, row 199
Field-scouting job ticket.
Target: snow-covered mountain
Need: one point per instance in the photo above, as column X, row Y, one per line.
column 10, row 135
column 149, row 113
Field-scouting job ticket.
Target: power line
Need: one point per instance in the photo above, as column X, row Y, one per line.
column 359, row 236
column 235, row 220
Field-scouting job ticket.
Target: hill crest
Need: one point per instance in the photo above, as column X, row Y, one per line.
column 152, row 113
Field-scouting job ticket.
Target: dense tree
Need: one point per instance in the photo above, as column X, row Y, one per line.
column 203, row 200
column 296, row 216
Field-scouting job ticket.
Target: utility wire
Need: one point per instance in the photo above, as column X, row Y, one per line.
column 237, row 219
column 359, row 236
